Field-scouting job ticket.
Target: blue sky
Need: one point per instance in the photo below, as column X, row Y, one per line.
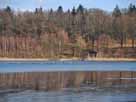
column 47, row 4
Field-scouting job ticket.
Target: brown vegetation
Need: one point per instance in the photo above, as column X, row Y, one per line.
column 57, row 34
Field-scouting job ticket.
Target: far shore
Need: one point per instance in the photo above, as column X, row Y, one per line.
column 67, row 59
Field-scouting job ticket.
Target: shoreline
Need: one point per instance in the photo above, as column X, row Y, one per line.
column 68, row 59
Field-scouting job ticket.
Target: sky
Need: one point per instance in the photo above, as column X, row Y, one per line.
column 23, row 5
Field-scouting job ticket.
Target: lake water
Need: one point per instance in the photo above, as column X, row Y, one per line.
column 29, row 66
column 68, row 96
column 95, row 96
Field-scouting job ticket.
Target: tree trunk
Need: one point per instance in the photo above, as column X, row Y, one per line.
column 122, row 41
column 93, row 43
column 133, row 43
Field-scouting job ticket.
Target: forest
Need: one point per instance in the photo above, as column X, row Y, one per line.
column 66, row 34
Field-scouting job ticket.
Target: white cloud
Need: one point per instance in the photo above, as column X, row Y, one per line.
column 39, row 2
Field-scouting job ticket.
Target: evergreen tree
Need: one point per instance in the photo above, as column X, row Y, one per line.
column 60, row 9
column 116, row 12
column 80, row 9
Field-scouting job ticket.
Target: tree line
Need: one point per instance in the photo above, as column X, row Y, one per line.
column 57, row 33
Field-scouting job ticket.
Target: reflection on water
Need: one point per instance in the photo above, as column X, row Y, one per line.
column 92, row 96
column 88, row 79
